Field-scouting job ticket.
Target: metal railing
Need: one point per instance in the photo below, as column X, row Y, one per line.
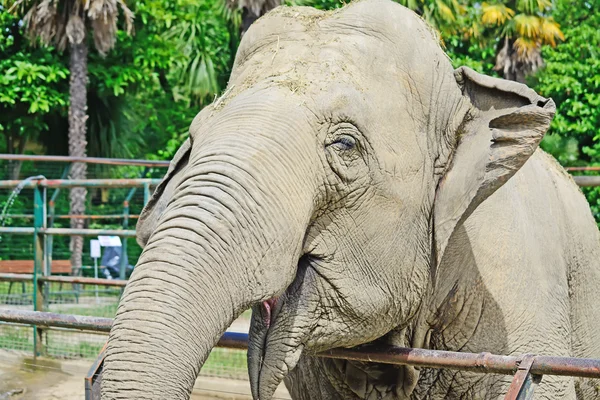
column 42, row 257
column 87, row 160
column 527, row 369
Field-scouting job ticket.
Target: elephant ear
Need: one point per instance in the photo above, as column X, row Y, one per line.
column 504, row 125
column 161, row 196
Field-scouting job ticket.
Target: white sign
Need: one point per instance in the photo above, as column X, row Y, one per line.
column 109, row 241
column 95, row 249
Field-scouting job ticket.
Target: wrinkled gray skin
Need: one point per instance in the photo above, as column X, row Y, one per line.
column 366, row 190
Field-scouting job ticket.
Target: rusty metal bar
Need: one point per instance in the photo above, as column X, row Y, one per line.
column 70, row 183
column 68, row 231
column 16, row 277
column 587, row 180
column 16, row 230
column 231, row 340
column 523, row 383
column 483, row 362
column 92, row 383
column 47, row 319
column 82, row 280
column 77, row 216
column 62, row 279
column 87, row 160
column 88, row 232
column 582, row 168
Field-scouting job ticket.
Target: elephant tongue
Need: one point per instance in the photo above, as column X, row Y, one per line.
column 267, row 310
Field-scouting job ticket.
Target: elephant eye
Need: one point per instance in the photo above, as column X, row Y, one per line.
column 344, row 142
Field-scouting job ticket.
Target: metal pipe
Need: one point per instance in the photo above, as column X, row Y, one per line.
column 87, row 160
column 47, row 319
column 4, row 277
column 587, row 180
column 70, row 183
column 87, row 232
column 7, row 277
column 77, row 216
column 67, row 231
column 582, row 168
column 232, row 340
column 82, row 280
column 16, row 230
column 482, row 362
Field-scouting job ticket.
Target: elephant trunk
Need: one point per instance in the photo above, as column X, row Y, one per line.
column 230, row 237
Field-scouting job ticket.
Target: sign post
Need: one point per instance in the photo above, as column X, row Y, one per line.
column 95, row 254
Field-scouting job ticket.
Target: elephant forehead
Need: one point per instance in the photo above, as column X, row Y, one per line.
column 397, row 28
column 307, row 50
column 359, row 61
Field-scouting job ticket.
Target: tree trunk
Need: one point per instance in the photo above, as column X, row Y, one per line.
column 515, row 67
column 77, row 141
column 254, row 10
column 14, row 166
column 248, row 17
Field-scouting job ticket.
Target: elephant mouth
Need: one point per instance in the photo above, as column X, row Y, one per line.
column 276, row 338
column 266, row 311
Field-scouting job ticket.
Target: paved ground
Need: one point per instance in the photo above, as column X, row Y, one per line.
column 22, row 378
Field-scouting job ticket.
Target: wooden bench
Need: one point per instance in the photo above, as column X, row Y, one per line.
column 26, row 267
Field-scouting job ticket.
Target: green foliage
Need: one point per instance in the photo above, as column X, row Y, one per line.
column 147, row 90
column 33, row 83
column 202, row 38
column 144, row 93
column 572, row 79
column 318, row 4
column 473, row 55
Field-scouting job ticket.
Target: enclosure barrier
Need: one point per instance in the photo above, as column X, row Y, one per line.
column 42, row 258
column 527, row 369
column 86, row 160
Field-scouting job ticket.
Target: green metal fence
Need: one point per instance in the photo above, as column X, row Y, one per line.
column 37, row 229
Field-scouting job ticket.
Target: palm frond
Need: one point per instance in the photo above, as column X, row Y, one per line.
column 550, row 31
column 527, row 26
column 444, row 11
column 258, row 7
column 495, row 14
column 533, row 6
column 103, row 15
column 60, row 22
column 473, row 31
column 544, row 4
column 525, row 47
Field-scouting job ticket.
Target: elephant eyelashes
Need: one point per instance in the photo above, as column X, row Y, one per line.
column 344, row 142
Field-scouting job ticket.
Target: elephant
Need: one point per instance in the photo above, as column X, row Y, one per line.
column 351, row 187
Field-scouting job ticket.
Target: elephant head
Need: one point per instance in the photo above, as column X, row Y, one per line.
column 321, row 189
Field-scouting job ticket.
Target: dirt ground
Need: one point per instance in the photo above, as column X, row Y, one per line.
column 22, row 378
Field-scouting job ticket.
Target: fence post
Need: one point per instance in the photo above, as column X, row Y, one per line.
column 39, row 222
column 147, row 193
column 123, row 264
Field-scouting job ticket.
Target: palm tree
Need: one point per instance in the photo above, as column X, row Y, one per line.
column 252, row 10
column 66, row 22
column 523, row 27
column 446, row 16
